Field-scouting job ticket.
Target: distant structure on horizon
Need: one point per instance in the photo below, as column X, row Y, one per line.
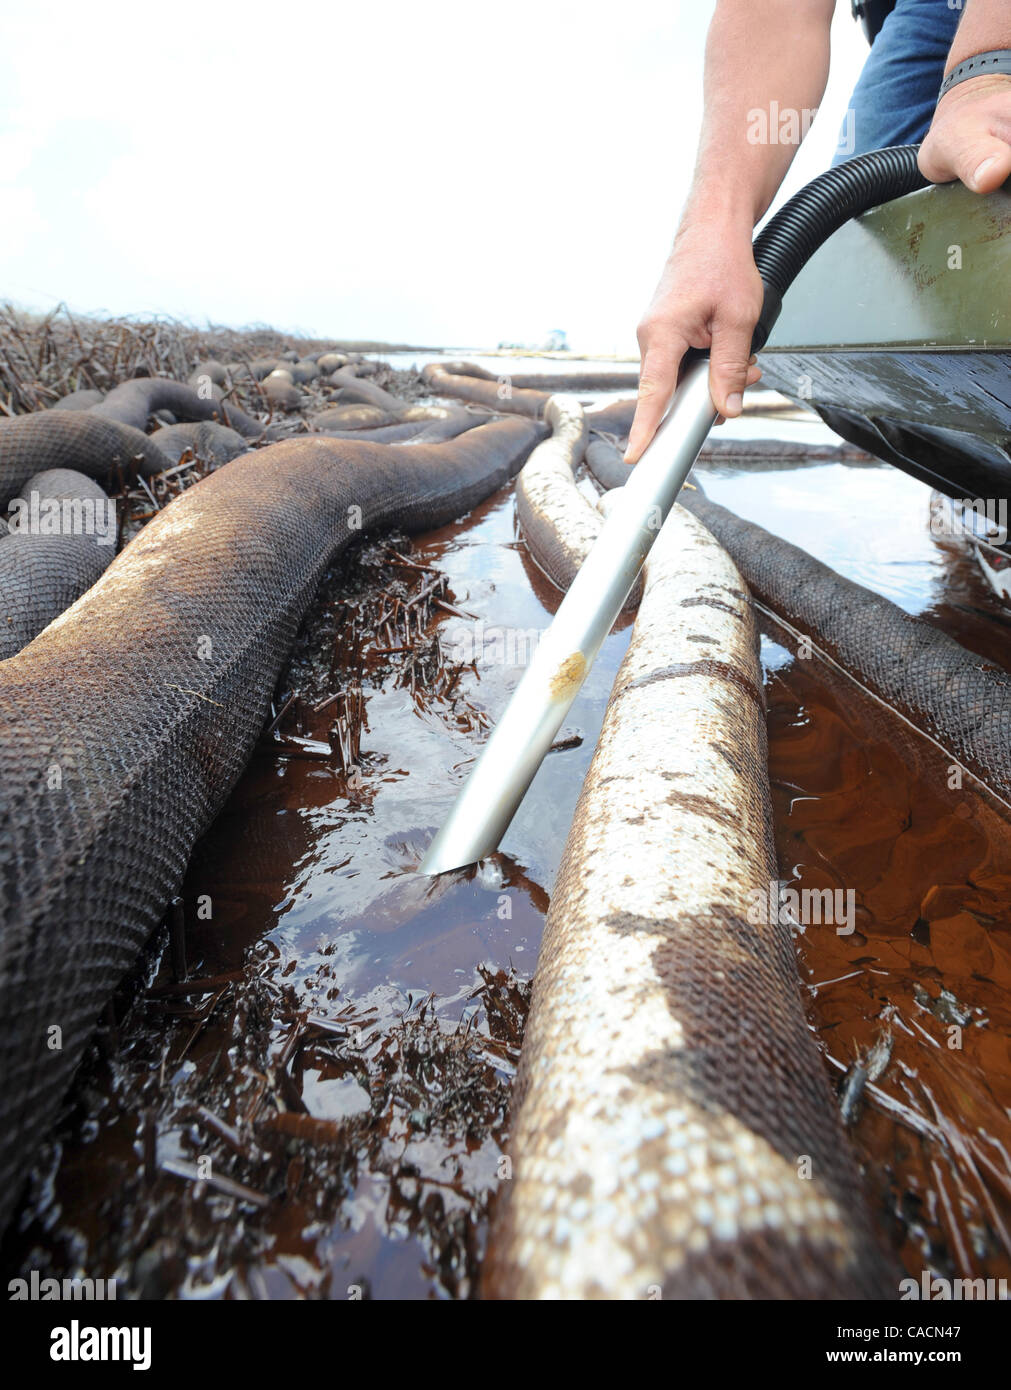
column 554, row 341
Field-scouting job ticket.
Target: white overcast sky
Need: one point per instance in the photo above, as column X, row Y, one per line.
column 453, row 173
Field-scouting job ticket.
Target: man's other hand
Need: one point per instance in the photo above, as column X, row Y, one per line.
column 970, row 135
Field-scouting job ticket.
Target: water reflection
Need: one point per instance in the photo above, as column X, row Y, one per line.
column 356, row 1048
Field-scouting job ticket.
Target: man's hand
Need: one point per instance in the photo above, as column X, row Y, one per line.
column 970, row 135
column 709, row 296
column 761, row 55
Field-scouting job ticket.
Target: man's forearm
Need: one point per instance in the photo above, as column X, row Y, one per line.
column 765, row 72
column 970, row 134
column 985, row 25
column 766, row 61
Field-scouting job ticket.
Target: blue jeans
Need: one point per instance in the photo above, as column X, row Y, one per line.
column 893, row 101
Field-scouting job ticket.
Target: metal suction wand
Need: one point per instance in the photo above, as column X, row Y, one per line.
column 521, row 738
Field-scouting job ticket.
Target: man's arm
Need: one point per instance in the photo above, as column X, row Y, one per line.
column 758, row 52
column 970, row 135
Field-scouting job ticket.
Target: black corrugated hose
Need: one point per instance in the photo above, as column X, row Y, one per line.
column 793, row 235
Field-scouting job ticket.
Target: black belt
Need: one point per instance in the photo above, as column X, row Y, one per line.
column 872, row 14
